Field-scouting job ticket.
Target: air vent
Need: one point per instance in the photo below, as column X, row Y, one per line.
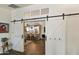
column 13, row 6
column 35, row 13
column 44, row 11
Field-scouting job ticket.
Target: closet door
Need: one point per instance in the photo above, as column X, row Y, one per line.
column 55, row 31
column 16, row 36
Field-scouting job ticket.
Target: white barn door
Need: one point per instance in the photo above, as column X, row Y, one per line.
column 55, row 32
column 16, row 36
column 72, row 35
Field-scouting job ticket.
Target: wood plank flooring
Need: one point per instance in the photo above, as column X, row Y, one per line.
column 35, row 47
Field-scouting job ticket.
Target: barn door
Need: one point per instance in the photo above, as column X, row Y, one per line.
column 55, row 31
column 17, row 36
column 72, row 34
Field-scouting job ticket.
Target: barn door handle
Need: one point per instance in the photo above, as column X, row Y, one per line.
column 22, row 35
column 54, row 38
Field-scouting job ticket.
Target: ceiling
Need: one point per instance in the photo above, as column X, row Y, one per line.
column 19, row 6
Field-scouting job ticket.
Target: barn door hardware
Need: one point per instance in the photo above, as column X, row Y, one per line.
column 63, row 16
column 22, row 36
column 47, row 17
column 14, row 21
column 21, row 20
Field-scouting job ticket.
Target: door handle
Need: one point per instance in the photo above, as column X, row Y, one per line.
column 54, row 38
column 22, row 35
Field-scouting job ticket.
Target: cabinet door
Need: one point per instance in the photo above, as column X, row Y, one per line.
column 55, row 31
column 16, row 36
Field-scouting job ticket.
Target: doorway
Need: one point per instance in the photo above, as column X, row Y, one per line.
column 34, row 33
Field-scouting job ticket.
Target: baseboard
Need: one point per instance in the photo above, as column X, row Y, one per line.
column 15, row 51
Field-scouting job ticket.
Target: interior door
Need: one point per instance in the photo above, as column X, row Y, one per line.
column 17, row 36
column 55, row 31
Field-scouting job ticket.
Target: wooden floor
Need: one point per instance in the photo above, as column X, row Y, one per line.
column 35, row 47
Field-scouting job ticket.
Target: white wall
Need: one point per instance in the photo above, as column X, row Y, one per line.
column 5, row 17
